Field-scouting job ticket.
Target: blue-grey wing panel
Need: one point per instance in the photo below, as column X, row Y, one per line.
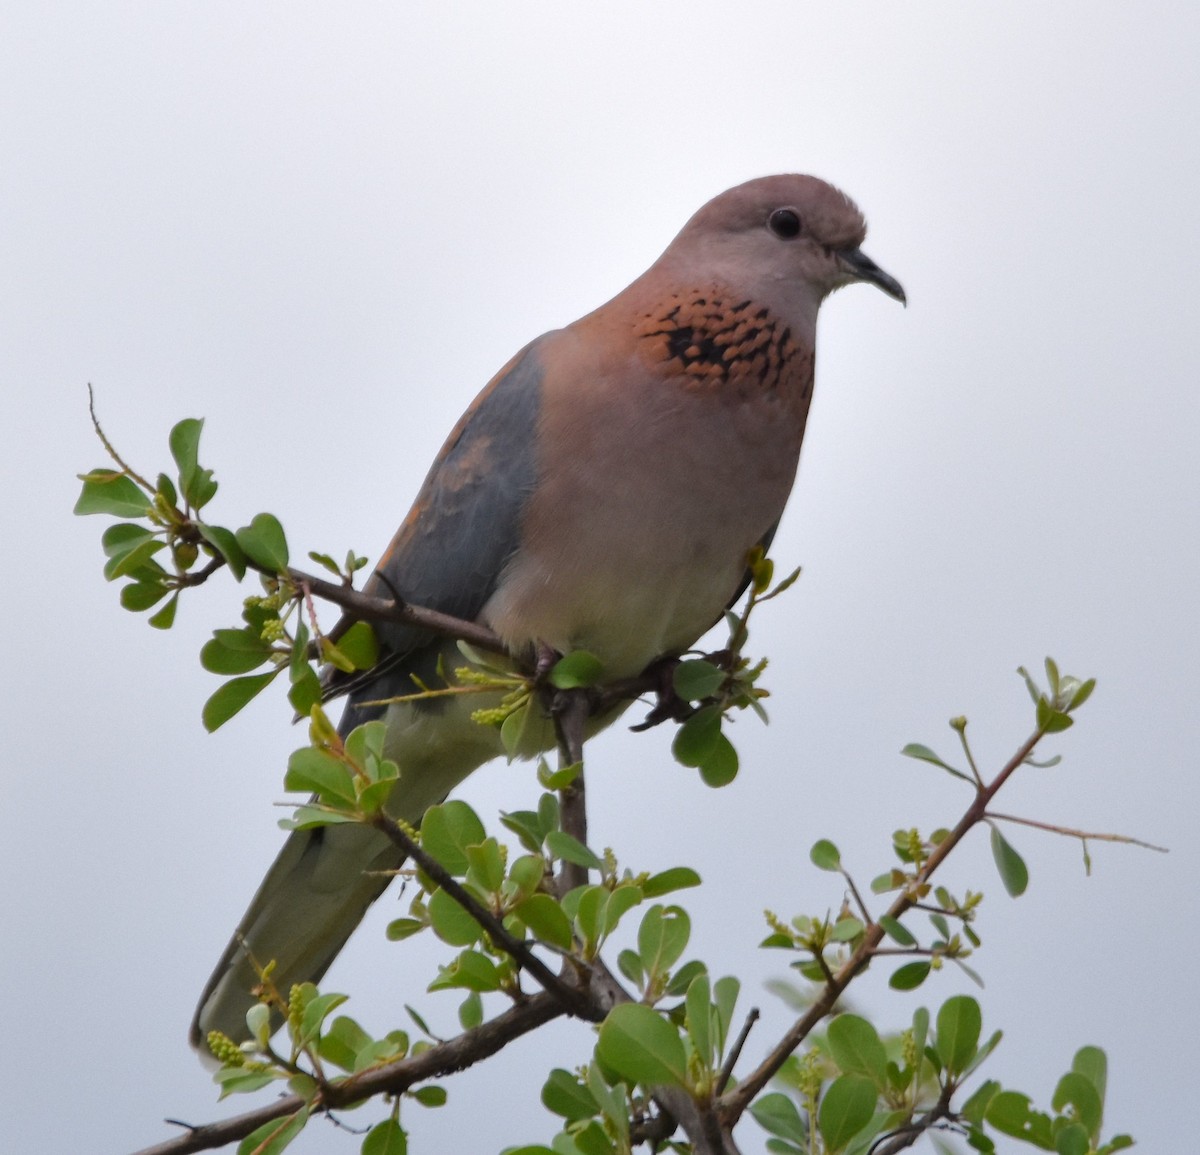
column 463, row 527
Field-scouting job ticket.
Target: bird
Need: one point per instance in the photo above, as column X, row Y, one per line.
column 602, row 493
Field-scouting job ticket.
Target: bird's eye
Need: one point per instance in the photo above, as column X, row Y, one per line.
column 784, row 223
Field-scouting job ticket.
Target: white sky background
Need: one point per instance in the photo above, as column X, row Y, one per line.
column 323, row 228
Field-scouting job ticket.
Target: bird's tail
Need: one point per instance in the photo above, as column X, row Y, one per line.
column 308, row 905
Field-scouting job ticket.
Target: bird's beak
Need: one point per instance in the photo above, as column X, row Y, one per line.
column 862, row 268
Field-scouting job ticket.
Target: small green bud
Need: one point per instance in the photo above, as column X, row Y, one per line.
column 225, row 1049
column 272, row 630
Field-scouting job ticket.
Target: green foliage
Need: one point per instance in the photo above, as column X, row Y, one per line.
column 502, row 911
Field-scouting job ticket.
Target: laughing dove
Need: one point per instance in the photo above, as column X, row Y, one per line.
column 602, row 493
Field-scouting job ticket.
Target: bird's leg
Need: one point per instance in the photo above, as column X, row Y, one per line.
column 668, row 705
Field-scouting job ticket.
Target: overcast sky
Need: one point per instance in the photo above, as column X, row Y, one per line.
column 322, row 228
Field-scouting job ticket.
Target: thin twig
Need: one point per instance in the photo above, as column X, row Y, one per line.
column 735, row 1052
column 1086, row 836
column 858, row 898
column 108, row 445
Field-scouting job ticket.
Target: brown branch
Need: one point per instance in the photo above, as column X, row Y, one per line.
column 573, row 999
column 733, row 1104
column 445, row 1058
column 907, row 1135
column 571, row 710
column 736, row 1051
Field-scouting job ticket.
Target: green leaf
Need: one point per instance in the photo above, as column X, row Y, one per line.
column 512, row 729
column 1092, row 1064
column 185, row 443
column 1072, row 1140
column 360, row 646
column 142, row 595
column 845, row 1110
column 974, row 1109
column 471, row 971
column 1082, row 694
column 562, row 845
column 164, row 619
column 486, row 865
column 225, row 543
column 1077, row 1091
column 663, row 937
column 470, row 1011
column 1009, row 1112
column 264, row 543
column 1050, row 720
column 525, row 875
column 677, row 878
column 630, row 965
column 305, row 691
column 557, row 779
column 273, row 1137
column 897, row 931
column 386, row 1138
column 925, row 754
column 588, row 915
column 642, row 1046
column 576, row 670
column 318, row 772
column 825, row 855
column 402, row 928
column 696, row 740
column 847, row 929
column 218, row 658
column 777, row 1114
column 696, row 679
column 450, row 922
column 316, row 1010
column 856, row 1048
column 619, row 902
column 232, row 696
column 958, row 1025
column 342, row 1042
column 109, row 491
column 308, row 817
column 133, row 558
column 909, row 976
column 119, row 539
column 545, row 919
column 434, row 1096
column 524, row 824
column 698, row 1018
column 1013, row 871
column 563, row 1094
column 446, row 832
column 682, row 978
column 197, row 484
column 239, row 1081
column 725, row 996
column 721, row 766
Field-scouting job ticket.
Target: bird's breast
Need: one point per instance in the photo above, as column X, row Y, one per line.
column 658, row 470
